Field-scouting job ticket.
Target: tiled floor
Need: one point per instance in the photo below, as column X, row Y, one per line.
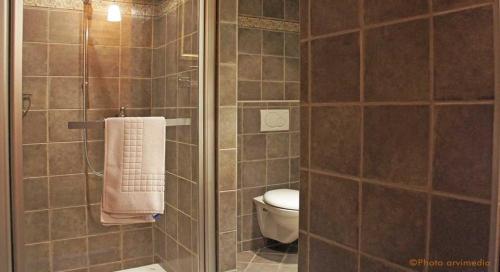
column 281, row 258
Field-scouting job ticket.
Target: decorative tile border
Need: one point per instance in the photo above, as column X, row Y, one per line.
column 167, row 6
column 268, row 24
column 128, row 7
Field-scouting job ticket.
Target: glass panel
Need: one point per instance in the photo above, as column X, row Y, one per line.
column 142, row 61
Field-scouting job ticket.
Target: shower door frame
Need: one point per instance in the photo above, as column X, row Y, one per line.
column 5, row 226
column 15, row 133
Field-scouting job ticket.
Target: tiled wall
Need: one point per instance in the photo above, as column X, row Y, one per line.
column 258, row 67
column 397, row 133
column 266, row 161
column 227, row 117
column 135, row 64
column 175, row 94
column 268, row 78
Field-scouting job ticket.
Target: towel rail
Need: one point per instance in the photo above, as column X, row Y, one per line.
column 169, row 122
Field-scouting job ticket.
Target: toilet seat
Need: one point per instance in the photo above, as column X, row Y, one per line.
column 283, row 198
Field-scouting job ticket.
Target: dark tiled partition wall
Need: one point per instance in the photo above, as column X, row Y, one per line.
column 396, row 133
column 128, row 67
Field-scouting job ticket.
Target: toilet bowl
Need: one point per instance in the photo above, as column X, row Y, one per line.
column 278, row 214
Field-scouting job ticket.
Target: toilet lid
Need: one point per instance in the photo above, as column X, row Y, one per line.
column 283, row 198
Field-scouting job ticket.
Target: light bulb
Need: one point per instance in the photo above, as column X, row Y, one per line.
column 114, row 13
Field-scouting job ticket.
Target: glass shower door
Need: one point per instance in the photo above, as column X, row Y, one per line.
column 145, row 63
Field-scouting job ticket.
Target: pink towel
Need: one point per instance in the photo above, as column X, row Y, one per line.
column 134, row 170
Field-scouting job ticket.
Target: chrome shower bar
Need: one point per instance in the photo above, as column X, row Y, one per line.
column 169, row 122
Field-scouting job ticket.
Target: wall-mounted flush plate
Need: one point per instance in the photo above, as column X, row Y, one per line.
column 274, row 120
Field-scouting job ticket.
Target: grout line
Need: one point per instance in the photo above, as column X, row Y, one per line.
column 361, row 134
column 431, row 135
column 400, row 103
column 49, row 220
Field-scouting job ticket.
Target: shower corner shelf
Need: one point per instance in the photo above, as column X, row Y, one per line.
column 169, row 122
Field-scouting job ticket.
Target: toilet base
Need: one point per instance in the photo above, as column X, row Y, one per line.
column 278, row 224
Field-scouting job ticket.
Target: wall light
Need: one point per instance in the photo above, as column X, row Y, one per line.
column 114, row 13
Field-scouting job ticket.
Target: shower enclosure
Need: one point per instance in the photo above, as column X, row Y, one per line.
column 81, row 64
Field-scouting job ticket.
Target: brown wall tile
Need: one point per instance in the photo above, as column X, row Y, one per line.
column 250, row 7
column 335, row 69
column 35, row 22
column 272, row 68
column 397, row 144
column 249, row 40
column 292, row 10
column 65, row 93
column 456, row 233
column 334, row 209
column 258, row 144
column 103, row 32
column 37, row 87
column 335, row 139
column 273, row 8
column 104, row 92
column 65, row 26
column 63, row 60
column 137, row 31
column 67, row 223
column 35, row 127
column 227, row 211
column 35, row 59
column 249, row 67
column 463, row 150
column 68, row 254
column 327, row 17
column 136, row 62
column 227, row 170
column 65, row 158
column 67, row 191
column 464, row 70
column 379, row 11
column 104, row 248
column 439, row 5
column 393, row 225
column 137, row 243
column 252, row 173
column 135, row 93
column 249, row 90
column 326, row 257
column 227, row 251
column 228, row 45
column 278, row 171
column 397, row 62
column 35, row 193
column 273, row 43
column 372, row 265
column 58, row 125
column 35, row 160
column 36, row 226
column 228, row 10
column 37, row 257
column 304, row 75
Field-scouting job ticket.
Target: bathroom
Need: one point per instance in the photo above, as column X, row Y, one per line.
column 311, row 135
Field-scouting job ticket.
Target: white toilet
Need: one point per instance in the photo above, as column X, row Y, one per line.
column 278, row 214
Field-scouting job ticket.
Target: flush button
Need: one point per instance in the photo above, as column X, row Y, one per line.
column 274, row 120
